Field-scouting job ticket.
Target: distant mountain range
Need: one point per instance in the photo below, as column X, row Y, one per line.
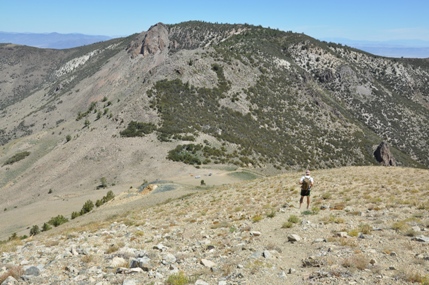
column 51, row 40
column 393, row 48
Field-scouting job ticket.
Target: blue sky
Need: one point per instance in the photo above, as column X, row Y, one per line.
column 375, row 20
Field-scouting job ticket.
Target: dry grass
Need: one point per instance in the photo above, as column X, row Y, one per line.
column 413, row 276
column 14, row 271
column 333, row 219
column 358, row 261
column 10, row 245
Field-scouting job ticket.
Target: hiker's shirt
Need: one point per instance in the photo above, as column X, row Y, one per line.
column 306, row 176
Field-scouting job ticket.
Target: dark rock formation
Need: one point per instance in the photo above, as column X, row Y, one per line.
column 383, row 155
column 326, row 75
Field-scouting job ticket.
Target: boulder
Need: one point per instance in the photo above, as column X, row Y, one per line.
column 383, row 155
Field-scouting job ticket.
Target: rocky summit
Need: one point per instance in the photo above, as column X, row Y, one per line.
column 360, row 228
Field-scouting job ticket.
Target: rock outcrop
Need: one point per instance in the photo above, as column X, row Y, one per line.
column 155, row 40
column 383, row 155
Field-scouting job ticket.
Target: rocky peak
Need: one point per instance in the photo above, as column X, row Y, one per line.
column 383, row 155
column 155, row 40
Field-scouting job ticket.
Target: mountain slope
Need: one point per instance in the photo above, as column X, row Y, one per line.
column 207, row 96
column 365, row 223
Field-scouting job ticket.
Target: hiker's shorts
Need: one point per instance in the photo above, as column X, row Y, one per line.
column 305, row 192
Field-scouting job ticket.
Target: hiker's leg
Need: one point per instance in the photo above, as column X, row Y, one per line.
column 300, row 201
column 308, row 201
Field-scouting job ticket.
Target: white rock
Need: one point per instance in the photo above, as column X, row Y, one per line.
column 208, row 263
column 255, row 233
column 117, row 261
column 293, row 238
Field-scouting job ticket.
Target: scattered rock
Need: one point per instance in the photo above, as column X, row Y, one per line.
column 255, row 233
column 342, row 234
column 117, row 261
column 293, row 238
column 32, row 270
column 208, row 263
column 421, row 238
column 10, row 281
column 267, row 254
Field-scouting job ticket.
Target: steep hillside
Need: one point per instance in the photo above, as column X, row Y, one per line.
column 184, row 100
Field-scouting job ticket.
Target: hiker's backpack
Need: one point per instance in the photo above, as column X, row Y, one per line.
column 306, row 182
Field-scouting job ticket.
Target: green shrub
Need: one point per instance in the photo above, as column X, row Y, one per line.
column 103, row 182
column 287, row 225
column 74, row 215
column 315, row 210
column 137, row 129
column 188, row 154
column 17, row 157
column 109, row 196
column 271, row 214
column 58, row 220
column 256, row 218
column 178, row 279
column 293, row 219
column 34, row 230
column 13, row 236
column 87, row 207
column 46, row 227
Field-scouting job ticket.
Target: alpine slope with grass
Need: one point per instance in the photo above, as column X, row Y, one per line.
column 366, row 224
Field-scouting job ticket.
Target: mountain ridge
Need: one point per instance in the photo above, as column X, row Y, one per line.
column 51, row 40
column 389, row 48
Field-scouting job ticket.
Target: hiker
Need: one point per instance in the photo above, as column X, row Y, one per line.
column 306, row 182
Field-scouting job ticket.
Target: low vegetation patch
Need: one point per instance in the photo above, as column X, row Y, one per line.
column 17, row 157
column 138, row 129
column 178, row 279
